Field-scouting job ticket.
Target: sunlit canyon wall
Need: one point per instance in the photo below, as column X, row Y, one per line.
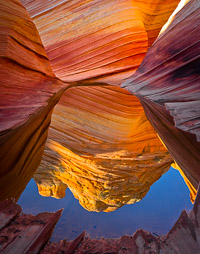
column 99, row 40
column 29, row 91
column 103, row 148
column 99, row 133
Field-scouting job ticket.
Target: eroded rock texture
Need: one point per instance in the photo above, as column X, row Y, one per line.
column 24, row 233
column 28, row 234
column 168, row 85
column 29, row 90
column 183, row 238
column 83, row 39
column 95, row 39
column 102, row 147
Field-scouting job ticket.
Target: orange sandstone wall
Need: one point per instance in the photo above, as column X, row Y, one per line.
column 27, row 96
column 97, row 130
column 98, row 39
column 102, row 147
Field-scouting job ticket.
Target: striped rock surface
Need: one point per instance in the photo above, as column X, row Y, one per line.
column 29, row 90
column 95, row 38
column 168, row 85
column 101, row 146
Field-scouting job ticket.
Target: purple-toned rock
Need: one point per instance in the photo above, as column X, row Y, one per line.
column 168, row 86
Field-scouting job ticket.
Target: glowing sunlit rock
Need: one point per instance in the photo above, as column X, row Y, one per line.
column 57, row 189
column 103, row 148
column 192, row 189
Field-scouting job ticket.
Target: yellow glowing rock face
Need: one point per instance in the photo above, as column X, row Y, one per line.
column 57, row 190
column 103, row 148
column 192, row 189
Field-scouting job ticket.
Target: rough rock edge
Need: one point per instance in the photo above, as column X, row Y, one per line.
column 28, row 234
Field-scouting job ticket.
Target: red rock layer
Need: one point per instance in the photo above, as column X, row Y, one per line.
column 28, row 234
column 94, row 39
column 27, row 96
column 102, row 147
column 168, row 85
column 24, row 233
column 183, row 238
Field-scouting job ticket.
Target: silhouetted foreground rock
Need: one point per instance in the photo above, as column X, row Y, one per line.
column 20, row 233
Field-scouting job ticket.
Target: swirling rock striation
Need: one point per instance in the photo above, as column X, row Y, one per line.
column 98, row 39
column 29, row 90
column 168, row 85
column 103, row 148
column 82, row 41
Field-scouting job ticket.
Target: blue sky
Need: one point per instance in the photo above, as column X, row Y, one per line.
column 156, row 212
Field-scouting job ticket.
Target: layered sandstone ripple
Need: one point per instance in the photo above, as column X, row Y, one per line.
column 83, row 40
column 28, row 92
column 102, row 147
column 95, row 38
column 168, row 85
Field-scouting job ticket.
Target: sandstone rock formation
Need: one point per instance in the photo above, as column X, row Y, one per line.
column 27, row 234
column 168, row 86
column 103, row 148
column 192, row 189
column 101, row 43
column 95, row 39
column 29, row 87
column 83, row 41
column 29, row 90
column 24, row 233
